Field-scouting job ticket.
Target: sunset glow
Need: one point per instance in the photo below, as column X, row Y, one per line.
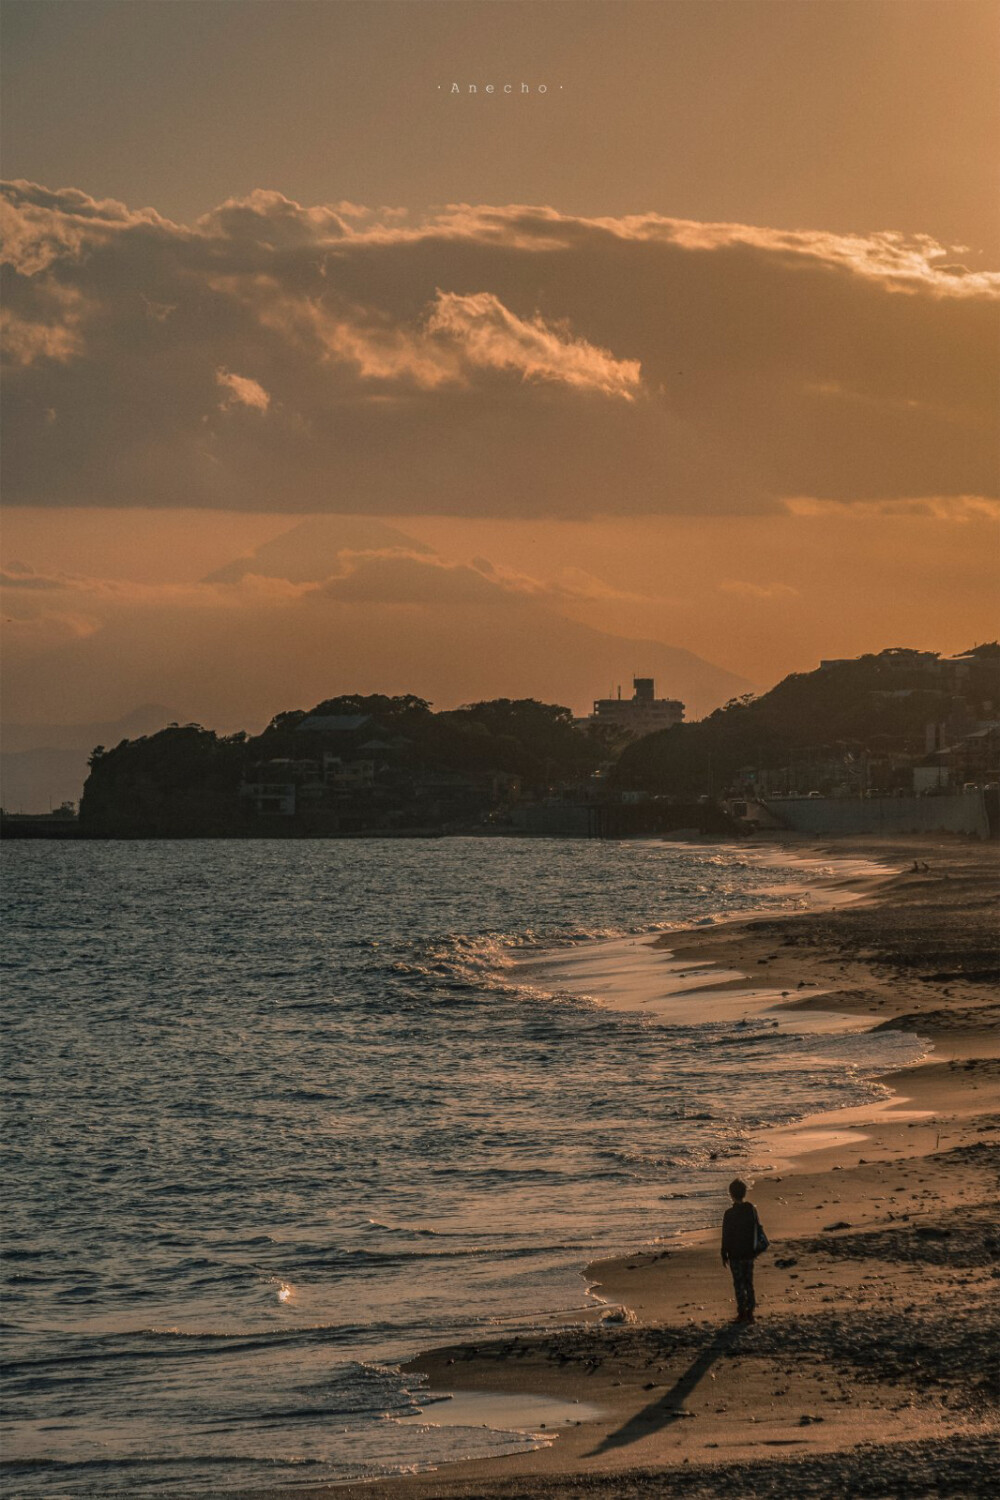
column 736, row 396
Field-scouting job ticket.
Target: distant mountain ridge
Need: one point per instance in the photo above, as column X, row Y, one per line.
column 514, row 645
column 552, row 657
column 43, row 765
column 145, row 719
column 307, row 552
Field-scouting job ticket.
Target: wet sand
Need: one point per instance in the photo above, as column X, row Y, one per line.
column 873, row 1368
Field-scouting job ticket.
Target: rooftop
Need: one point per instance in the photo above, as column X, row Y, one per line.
column 333, row 723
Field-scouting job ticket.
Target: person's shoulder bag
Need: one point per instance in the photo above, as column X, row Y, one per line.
column 760, row 1239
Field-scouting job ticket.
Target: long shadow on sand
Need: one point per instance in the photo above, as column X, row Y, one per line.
column 669, row 1407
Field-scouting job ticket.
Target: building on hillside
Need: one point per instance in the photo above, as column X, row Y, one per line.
column 270, row 797
column 279, row 786
column 348, row 775
column 333, row 723
column 953, row 670
column 639, row 715
column 973, row 760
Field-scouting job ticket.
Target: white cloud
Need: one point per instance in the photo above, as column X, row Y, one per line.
column 489, row 336
column 242, row 391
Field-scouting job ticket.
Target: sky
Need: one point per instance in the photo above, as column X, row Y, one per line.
column 681, row 354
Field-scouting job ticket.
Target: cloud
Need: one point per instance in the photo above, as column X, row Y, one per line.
column 111, row 595
column 453, row 339
column 242, row 391
column 18, row 575
column 403, row 576
column 759, row 592
column 395, row 617
column 41, row 228
column 48, row 327
column 409, row 578
column 490, row 337
column 960, row 508
column 578, row 584
column 310, row 551
column 29, row 637
column 396, row 575
column 485, row 361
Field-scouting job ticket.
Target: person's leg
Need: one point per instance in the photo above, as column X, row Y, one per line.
column 751, row 1296
column 740, row 1286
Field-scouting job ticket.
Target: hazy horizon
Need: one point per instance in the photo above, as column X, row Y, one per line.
column 696, row 351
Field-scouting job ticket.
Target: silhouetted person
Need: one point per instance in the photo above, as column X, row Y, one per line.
column 741, row 1233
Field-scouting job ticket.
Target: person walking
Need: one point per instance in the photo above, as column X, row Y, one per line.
column 743, row 1238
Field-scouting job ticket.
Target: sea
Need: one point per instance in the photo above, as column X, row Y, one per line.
column 280, row 1114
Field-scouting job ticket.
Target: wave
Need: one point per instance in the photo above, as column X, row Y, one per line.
column 152, row 1461
column 425, row 1123
column 420, row 1231
column 145, row 1343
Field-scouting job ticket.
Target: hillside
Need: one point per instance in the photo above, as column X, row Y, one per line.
column 860, row 712
column 373, row 763
column 349, row 764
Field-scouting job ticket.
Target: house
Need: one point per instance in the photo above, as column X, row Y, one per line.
column 333, row 723
column 276, row 798
column 347, row 775
column 972, row 760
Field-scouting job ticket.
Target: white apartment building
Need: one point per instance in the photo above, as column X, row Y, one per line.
column 641, row 714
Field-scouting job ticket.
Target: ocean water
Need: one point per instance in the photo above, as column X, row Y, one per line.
column 280, row 1114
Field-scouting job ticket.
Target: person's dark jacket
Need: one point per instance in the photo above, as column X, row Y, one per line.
column 739, row 1231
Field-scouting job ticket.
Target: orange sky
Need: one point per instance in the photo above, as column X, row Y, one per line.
column 760, row 596
column 730, row 386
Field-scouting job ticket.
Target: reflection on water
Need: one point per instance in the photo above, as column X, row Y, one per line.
column 281, row 1113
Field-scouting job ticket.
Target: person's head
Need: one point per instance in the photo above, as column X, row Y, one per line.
column 737, row 1190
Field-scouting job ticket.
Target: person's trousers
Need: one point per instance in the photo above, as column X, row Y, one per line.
column 743, row 1286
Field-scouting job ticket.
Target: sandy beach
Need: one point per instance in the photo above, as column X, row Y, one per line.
column 873, row 1367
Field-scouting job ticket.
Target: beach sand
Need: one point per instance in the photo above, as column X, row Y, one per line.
column 874, row 1366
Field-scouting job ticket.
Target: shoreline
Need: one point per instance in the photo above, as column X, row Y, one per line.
column 933, row 1136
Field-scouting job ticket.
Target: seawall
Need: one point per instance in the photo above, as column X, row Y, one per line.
column 973, row 812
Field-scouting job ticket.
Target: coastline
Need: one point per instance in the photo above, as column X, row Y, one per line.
column 872, row 1353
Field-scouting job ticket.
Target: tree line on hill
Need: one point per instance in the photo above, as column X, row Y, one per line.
column 186, row 780
column 453, row 766
column 870, row 706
